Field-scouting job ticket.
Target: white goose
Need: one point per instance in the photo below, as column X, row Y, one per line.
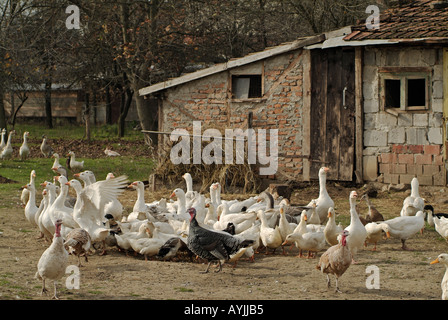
column 89, row 207
column 114, row 207
column 181, row 204
column 123, row 240
column 58, row 210
column 375, row 233
column 324, row 201
column 441, row 225
column 46, row 220
column 8, row 150
column 413, row 203
column 332, row 231
column 443, row 258
column 31, row 209
column 270, row 237
column 189, row 195
column 139, row 205
column 242, row 221
column 2, row 142
column 25, row 192
column 74, row 164
column 405, row 227
column 306, row 236
column 24, row 150
column 357, row 232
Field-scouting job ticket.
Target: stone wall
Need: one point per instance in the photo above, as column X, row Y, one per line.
column 399, row 147
column 206, row 100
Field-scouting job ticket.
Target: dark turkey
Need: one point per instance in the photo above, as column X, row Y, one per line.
column 212, row 245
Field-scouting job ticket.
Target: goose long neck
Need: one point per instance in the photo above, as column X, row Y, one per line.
column 32, row 198
column 414, row 190
column 322, row 185
column 189, row 183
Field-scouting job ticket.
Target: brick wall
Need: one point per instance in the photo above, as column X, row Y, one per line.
column 206, row 100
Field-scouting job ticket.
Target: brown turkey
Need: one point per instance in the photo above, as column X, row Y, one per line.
column 336, row 260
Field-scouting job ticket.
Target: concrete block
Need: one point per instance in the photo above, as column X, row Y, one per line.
column 406, row 178
column 416, row 136
column 436, row 120
column 391, row 178
column 439, row 179
column 396, row 135
column 369, row 58
column 385, row 121
column 425, row 180
column 370, row 90
column 371, row 105
column 369, row 121
column 405, row 120
column 437, row 89
column 437, row 105
column 370, row 168
column 438, row 72
column 420, row 120
column 375, row 138
column 435, row 135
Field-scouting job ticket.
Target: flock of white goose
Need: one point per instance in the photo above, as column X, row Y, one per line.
column 160, row 228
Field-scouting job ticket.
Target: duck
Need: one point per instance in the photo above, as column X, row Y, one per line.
column 373, row 214
column 45, row 147
column 31, row 208
column 331, row 230
column 24, row 150
column 443, row 258
column 356, row 231
column 53, row 261
column 270, row 237
column 7, row 151
column 413, row 203
column 404, row 227
column 253, row 233
column 78, row 242
column 2, row 141
column 324, row 201
column 74, row 164
column 336, row 260
column 375, row 233
column 148, row 247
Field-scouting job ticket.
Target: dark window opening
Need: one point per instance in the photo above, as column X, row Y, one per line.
column 393, row 93
column 416, row 92
column 246, row 86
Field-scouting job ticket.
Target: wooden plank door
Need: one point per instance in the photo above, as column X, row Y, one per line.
column 332, row 113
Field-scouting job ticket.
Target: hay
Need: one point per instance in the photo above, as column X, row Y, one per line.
column 232, row 177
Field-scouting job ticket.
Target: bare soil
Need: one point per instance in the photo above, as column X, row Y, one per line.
column 402, row 274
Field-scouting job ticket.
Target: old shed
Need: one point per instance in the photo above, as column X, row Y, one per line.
column 369, row 104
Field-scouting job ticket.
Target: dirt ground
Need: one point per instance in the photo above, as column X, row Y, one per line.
column 402, row 274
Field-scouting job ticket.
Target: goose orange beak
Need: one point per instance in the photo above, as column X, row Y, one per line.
column 435, row 261
column 76, row 175
column 43, row 184
column 24, row 187
column 172, row 195
column 388, row 234
column 67, row 183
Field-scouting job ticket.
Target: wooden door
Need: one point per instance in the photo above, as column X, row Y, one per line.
column 332, row 113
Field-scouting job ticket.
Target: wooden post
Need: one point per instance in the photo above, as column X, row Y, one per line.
column 358, row 115
column 306, row 115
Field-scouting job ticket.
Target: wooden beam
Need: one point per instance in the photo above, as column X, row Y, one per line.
column 306, row 115
column 445, row 110
column 359, row 115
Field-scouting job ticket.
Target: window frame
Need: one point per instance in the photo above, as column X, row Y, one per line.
column 404, row 74
column 246, row 75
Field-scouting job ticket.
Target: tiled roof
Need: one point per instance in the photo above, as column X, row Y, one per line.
column 416, row 20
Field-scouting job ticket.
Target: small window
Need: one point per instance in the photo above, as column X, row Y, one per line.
column 405, row 91
column 246, row 86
